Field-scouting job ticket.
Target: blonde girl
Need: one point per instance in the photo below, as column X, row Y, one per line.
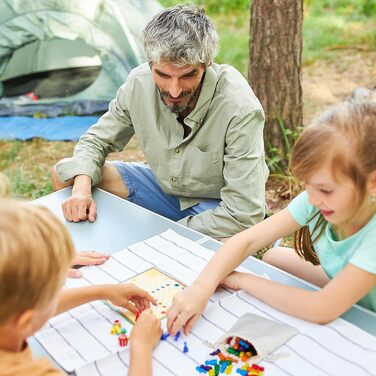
column 334, row 222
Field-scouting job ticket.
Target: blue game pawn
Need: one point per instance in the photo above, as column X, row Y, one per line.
column 164, row 336
column 185, row 349
column 177, row 335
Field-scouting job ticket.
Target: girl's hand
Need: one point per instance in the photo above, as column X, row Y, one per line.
column 147, row 331
column 234, row 281
column 86, row 258
column 186, row 308
column 126, row 294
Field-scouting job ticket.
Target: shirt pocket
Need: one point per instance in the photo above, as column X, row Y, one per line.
column 203, row 173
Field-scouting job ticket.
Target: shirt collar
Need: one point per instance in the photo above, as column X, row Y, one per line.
column 206, row 94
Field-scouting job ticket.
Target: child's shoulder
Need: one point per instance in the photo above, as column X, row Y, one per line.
column 301, row 210
column 22, row 363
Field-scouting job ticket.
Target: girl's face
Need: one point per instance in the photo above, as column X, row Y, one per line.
column 334, row 198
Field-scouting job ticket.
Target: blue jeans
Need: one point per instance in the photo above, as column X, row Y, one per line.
column 145, row 191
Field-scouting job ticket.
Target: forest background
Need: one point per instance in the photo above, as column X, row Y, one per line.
column 339, row 55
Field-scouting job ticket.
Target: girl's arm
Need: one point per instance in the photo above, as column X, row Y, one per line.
column 188, row 305
column 120, row 295
column 144, row 337
column 322, row 306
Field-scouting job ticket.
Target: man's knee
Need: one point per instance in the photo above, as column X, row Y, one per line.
column 56, row 183
column 112, row 181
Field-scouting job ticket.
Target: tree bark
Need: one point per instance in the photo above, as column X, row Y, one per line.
column 275, row 66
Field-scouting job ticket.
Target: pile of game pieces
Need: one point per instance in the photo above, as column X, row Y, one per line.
column 120, row 332
column 240, row 350
column 164, row 337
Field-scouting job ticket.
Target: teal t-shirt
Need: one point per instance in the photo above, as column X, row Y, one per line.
column 359, row 249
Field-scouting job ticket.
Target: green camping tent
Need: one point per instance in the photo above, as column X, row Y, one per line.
column 70, row 50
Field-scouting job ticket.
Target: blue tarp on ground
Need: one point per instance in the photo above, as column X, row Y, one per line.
column 68, row 128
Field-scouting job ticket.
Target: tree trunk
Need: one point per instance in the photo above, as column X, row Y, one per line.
column 275, row 68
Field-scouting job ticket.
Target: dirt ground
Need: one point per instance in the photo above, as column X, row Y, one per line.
column 328, row 82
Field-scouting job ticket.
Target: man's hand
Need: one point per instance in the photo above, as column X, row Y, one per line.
column 80, row 206
column 86, row 258
column 129, row 296
column 186, row 308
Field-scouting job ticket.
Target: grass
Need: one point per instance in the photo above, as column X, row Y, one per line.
column 28, row 165
column 329, row 26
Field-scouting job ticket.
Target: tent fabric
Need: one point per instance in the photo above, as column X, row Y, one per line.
column 68, row 128
column 25, row 107
column 110, row 29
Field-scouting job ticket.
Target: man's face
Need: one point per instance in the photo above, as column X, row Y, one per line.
column 177, row 85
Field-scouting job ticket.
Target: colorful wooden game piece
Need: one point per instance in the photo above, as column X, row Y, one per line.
column 240, row 348
column 177, row 335
column 200, row 369
column 123, row 340
column 185, row 348
column 137, row 314
column 116, row 327
column 164, row 336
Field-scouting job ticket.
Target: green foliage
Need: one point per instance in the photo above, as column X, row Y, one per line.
column 328, row 25
column 278, row 159
column 353, row 8
column 337, row 24
column 233, row 41
column 23, row 186
column 8, row 156
column 213, row 6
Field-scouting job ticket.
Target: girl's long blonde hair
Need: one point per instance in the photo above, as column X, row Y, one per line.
column 344, row 136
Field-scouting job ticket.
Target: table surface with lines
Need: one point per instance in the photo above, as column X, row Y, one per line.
column 139, row 240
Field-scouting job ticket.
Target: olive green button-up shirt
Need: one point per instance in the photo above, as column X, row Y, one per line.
column 221, row 158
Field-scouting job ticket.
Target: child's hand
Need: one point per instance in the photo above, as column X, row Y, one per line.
column 122, row 295
column 147, row 331
column 234, row 281
column 86, row 258
column 186, row 308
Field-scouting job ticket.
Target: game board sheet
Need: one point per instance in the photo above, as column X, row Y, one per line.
column 80, row 340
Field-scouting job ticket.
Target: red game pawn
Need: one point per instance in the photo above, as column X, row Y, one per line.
column 137, row 314
column 123, row 340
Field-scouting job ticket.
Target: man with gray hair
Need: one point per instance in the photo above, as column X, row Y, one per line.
column 199, row 125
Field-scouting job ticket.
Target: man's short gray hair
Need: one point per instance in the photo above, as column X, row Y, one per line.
column 182, row 35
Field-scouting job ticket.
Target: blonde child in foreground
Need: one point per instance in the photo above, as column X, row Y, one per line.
column 31, row 290
column 334, row 221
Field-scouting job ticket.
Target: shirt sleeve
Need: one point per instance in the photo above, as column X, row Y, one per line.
column 245, row 173
column 300, row 209
column 111, row 133
column 365, row 256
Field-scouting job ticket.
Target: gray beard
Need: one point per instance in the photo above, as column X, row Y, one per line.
column 178, row 109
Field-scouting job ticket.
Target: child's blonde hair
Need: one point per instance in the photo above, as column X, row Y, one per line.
column 344, row 136
column 35, row 253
